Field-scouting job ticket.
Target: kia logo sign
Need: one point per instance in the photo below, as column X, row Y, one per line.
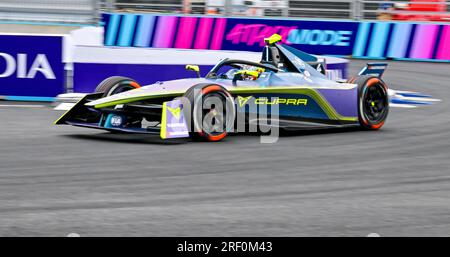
column 18, row 65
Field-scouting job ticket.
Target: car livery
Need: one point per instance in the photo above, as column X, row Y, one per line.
column 287, row 86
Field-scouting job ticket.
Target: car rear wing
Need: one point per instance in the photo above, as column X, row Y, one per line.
column 374, row 68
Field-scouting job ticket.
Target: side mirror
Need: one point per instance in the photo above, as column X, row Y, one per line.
column 194, row 68
column 272, row 40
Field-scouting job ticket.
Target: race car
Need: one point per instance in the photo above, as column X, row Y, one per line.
column 287, row 89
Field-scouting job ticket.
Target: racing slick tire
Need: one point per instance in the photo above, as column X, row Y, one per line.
column 373, row 101
column 211, row 114
column 115, row 85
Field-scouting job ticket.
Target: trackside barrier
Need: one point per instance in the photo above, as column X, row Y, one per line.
column 92, row 64
column 40, row 67
column 31, row 66
column 397, row 40
column 412, row 41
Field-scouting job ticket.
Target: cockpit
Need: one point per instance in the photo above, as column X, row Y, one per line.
column 279, row 59
column 240, row 70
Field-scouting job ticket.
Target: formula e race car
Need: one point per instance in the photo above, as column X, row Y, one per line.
column 287, row 89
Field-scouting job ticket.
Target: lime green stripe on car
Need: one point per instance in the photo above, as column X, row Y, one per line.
column 163, row 132
column 136, row 98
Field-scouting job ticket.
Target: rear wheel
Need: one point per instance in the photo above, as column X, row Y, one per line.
column 373, row 101
column 212, row 112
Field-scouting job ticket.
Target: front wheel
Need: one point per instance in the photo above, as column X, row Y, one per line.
column 116, row 85
column 212, row 112
column 373, row 101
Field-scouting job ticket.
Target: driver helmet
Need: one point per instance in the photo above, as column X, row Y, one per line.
column 252, row 74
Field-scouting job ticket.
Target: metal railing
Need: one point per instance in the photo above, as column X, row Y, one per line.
column 66, row 11
column 370, row 9
column 282, row 8
column 168, row 6
column 232, row 7
column 88, row 11
column 333, row 9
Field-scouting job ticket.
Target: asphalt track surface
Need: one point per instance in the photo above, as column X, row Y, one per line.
column 394, row 182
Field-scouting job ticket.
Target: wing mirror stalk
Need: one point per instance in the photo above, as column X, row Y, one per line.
column 194, row 68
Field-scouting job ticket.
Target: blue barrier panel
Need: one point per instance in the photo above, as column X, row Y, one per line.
column 147, row 66
column 85, row 81
column 31, row 65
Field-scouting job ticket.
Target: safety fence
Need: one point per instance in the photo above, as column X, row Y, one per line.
column 422, row 10
column 89, row 11
column 66, row 11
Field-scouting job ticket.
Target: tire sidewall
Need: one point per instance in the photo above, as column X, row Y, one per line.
column 365, row 82
column 196, row 116
column 111, row 84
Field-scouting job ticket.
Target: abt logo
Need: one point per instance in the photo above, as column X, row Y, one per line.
column 18, row 64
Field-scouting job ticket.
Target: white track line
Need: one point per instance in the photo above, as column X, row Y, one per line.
column 417, row 99
column 22, row 105
column 402, row 105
